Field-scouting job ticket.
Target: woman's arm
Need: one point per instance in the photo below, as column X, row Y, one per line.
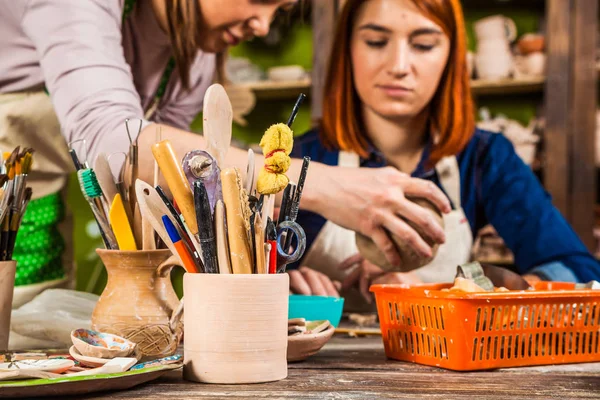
column 521, row 211
column 362, row 199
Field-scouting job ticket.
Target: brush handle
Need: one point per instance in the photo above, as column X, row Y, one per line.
column 206, row 234
column 178, row 184
column 222, row 242
column 110, row 242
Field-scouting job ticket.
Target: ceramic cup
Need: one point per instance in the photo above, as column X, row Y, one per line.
column 7, row 284
column 494, row 64
column 495, row 27
column 535, row 63
column 235, row 328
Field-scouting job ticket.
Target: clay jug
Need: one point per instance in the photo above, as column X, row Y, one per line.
column 139, row 302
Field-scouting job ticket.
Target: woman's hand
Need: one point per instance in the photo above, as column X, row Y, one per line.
column 373, row 200
column 366, row 274
column 308, row 281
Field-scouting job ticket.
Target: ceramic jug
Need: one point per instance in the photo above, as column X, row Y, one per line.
column 139, row 302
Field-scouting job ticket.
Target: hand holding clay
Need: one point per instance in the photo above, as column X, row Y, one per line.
column 411, row 258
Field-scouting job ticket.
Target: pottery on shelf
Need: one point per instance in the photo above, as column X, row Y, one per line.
column 139, row 301
column 99, row 344
column 304, row 345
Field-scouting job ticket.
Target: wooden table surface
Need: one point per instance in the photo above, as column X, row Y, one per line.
column 356, row 368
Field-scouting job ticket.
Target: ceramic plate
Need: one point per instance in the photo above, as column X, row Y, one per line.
column 93, row 362
column 68, row 386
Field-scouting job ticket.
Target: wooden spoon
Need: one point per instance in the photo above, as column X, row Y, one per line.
column 217, row 115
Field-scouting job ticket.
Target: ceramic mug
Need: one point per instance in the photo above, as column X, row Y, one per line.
column 494, row 65
column 496, row 27
column 7, row 285
column 235, row 327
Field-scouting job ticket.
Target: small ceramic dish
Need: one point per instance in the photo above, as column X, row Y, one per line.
column 93, row 362
column 53, row 365
column 304, row 345
column 101, row 345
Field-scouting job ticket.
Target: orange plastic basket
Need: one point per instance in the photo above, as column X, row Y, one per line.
column 555, row 324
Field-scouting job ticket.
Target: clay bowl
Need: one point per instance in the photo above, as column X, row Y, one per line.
column 531, row 43
column 302, row 346
column 93, row 362
column 101, row 345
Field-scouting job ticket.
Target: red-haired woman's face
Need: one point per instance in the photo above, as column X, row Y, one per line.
column 398, row 58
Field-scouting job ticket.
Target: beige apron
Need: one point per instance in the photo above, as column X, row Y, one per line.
column 335, row 244
column 28, row 120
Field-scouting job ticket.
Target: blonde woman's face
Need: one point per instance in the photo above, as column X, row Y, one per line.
column 229, row 22
column 398, row 58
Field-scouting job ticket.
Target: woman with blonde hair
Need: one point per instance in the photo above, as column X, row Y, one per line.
column 397, row 96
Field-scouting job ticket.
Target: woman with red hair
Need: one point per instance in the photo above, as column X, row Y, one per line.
column 397, row 95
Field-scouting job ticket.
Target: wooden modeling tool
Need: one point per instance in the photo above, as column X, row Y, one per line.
column 259, row 243
column 206, row 232
column 238, row 221
column 178, row 183
column 249, row 183
column 105, row 178
column 217, row 115
column 222, row 241
column 120, row 225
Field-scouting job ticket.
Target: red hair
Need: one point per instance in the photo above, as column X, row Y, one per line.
column 452, row 116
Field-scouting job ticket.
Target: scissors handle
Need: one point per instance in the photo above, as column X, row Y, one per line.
column 283, row 230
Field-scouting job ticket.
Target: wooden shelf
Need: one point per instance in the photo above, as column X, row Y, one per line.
column 508, row 86
column 267, row 90
column 270, row 90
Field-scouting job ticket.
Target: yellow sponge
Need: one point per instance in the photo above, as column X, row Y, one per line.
column 276, row 144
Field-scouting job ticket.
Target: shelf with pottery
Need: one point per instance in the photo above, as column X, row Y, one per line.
column 275, row 90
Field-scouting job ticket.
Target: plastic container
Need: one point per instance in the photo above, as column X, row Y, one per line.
column 316, row 308
column 555, row 324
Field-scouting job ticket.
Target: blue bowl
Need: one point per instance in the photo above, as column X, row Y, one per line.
column 316, row 308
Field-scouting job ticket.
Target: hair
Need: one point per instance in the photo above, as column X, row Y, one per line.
column 183, row 17
column 452, row 116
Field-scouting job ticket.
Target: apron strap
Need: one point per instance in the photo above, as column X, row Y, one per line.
column 449, row 174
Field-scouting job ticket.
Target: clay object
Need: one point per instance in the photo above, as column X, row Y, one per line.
column 302, row 346
column 139, row 300
column 235, row 327
column 410, row 259
column 99, row 344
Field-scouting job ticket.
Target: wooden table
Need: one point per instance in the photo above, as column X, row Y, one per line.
column 356, row 368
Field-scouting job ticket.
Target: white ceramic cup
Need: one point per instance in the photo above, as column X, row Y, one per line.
column 496, row 27
column 235, row 328
column 535, row 63
column 7, row 284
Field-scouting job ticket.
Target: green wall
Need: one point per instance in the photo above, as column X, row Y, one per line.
column 296, row 48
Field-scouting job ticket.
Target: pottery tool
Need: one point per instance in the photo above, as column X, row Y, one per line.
column 259, row 246
column 284, row 257
column 15, row 223
column 238, row 221
column 249, row 183
column 92, row 193
column 120, row 225
column 133, row 161
column 178, row 183
column 296, row 108
column 276, row 144
column 105, row 178
column 188, row 262
column 267, row 250
column 217, row 118
column 183, row 230
column 295, row 202
column 272, row 241
column 206, row 233
column 222, row 241
column 153, row 208
column 286, row 203
column 200, row 165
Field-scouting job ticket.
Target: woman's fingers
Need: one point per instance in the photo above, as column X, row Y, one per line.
column 385, row 244
column 415, row 187
column 408, row 235
column 330, row 289
column 298, row 284
column 424, row 219
column 352, row 279
column 350, row 262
